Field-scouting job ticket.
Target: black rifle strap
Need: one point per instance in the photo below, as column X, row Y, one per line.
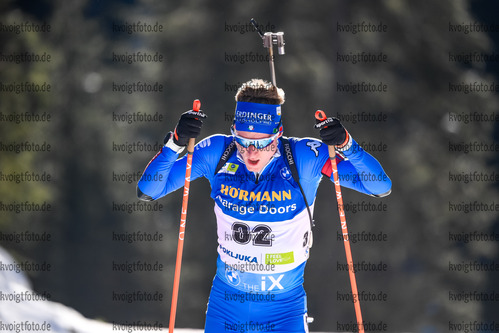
column 294, row 172
column 229, row 150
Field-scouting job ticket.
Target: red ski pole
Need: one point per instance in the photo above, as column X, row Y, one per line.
column 180, row 247
column 320, row 115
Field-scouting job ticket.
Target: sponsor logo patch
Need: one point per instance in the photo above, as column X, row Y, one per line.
column 279, row 258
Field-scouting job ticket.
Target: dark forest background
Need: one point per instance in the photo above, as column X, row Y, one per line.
column 197, row 45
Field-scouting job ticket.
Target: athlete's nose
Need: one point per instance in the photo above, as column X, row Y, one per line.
column 251, row 151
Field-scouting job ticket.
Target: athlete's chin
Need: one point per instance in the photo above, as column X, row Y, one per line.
column 253, row 169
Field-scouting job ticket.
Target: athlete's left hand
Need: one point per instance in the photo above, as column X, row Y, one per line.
column 332, row 131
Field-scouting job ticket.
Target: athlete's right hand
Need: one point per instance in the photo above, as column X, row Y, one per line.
column 189, row 126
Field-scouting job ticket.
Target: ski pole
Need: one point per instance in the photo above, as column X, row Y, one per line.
column 320, row 115
column 178, row 263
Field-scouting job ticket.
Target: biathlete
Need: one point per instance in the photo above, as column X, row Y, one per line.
column 264, row 187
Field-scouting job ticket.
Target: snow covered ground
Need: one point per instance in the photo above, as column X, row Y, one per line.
column 23, row 310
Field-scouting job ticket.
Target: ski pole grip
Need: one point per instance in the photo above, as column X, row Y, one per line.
column 196, row 106
column 321, row 116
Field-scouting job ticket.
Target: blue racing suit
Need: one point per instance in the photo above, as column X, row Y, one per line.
column 263, row 227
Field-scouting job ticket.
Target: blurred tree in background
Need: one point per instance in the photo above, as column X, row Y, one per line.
column 204, row 47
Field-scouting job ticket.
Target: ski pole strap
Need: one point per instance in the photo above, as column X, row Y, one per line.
column 294, row 172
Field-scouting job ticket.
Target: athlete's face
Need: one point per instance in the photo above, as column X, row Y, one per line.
column 256, row 159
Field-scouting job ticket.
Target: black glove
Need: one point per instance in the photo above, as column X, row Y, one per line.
column 189, row 126
column 332, row 131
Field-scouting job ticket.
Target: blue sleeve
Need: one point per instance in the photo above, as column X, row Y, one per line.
column 362, row 172
column 357, row 169
column 165, row 173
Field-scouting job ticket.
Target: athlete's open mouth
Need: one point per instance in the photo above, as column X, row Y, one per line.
column 253, row 162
